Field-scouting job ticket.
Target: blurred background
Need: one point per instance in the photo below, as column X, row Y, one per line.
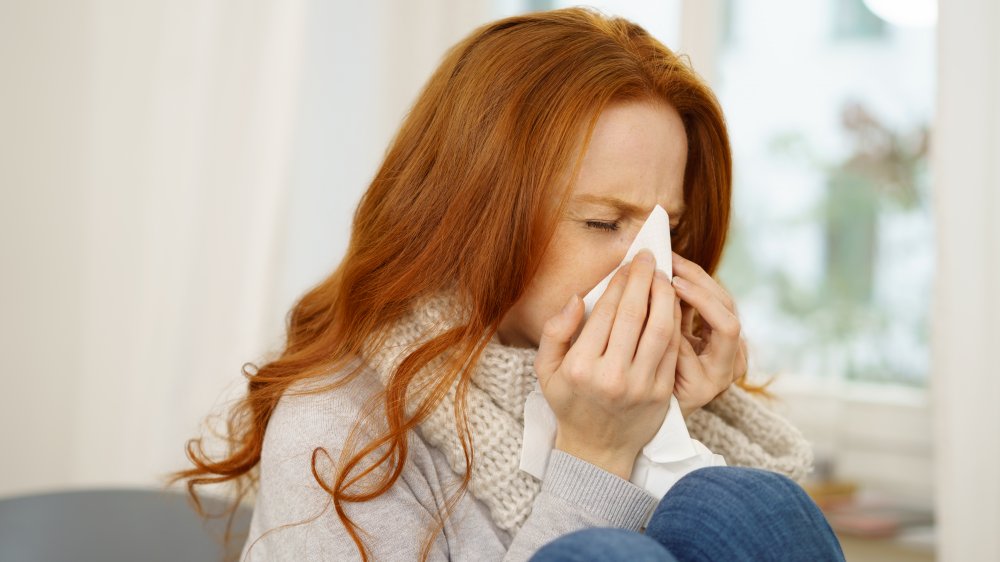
column 175, row 174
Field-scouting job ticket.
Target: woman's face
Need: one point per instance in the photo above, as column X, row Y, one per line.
column 636, row 156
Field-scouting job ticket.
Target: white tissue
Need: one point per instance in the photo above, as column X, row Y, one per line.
column 655, row 235
column 672, row 452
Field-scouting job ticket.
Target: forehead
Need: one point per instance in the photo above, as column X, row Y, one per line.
column 635, row 160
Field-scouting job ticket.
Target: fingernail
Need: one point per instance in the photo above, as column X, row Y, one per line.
column 662, row 275
column 569, row 305
column 680, row 283
column 645, row 255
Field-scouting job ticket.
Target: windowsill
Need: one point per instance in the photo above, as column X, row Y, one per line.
column 902, row 548
column 877, row 436
column 853, row 391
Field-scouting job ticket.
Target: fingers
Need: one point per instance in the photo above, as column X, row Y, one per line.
column 724, row 323
column 693, row 272
column 663, row 385
column 687, row 321
column 632, row 311
column 593, row 338
column 661, row 324
column 691, row 367
column 555, row 341
column 742, row 364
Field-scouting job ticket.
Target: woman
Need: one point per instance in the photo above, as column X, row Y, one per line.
column 516, row 183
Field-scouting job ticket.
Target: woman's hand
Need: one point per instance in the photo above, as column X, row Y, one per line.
column 610, row 389
column 712, row 353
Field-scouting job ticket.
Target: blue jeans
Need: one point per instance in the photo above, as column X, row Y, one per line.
column 714, row 513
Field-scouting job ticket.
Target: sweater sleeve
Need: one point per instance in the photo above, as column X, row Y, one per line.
column 294, row 518
column 575, row 495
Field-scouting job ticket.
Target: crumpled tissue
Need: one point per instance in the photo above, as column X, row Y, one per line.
column 672, row 453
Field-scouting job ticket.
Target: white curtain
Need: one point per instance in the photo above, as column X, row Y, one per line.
column 146, row 149
column 174, row 174
column 966, row 314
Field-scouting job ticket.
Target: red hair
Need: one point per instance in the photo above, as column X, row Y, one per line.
column 488, row 152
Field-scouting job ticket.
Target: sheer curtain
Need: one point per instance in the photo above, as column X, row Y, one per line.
column 146, row 149
column 173, row 175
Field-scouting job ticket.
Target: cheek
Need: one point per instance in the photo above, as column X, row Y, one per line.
column 593, row 263
column 549, row 291
column 575, row 272
column 575, row 264
column 556, row 279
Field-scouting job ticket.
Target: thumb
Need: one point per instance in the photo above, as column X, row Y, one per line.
column 556, row 339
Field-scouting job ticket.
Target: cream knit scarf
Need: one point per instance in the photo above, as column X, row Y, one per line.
column 734, row 424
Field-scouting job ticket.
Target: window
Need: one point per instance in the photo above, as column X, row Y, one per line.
column 831, row 252
column 831, row 248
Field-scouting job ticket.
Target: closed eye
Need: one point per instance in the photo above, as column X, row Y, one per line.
column 613, row 226
column 607, row 226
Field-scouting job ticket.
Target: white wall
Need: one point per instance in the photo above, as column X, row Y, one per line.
column 365, row 63
column 965, row 329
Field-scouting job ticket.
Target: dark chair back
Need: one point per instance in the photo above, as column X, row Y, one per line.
column 115, row 525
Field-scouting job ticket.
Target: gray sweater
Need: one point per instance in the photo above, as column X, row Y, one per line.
column 575, row 494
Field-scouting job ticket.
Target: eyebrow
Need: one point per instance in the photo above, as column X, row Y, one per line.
column 620, row 205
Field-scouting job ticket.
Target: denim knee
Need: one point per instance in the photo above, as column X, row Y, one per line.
column 714, row 476
column 603, row 544
column 739, row 513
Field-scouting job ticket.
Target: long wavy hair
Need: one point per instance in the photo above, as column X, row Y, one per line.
column 488, row 152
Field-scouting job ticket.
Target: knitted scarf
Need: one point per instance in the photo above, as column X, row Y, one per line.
column 734, row 424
